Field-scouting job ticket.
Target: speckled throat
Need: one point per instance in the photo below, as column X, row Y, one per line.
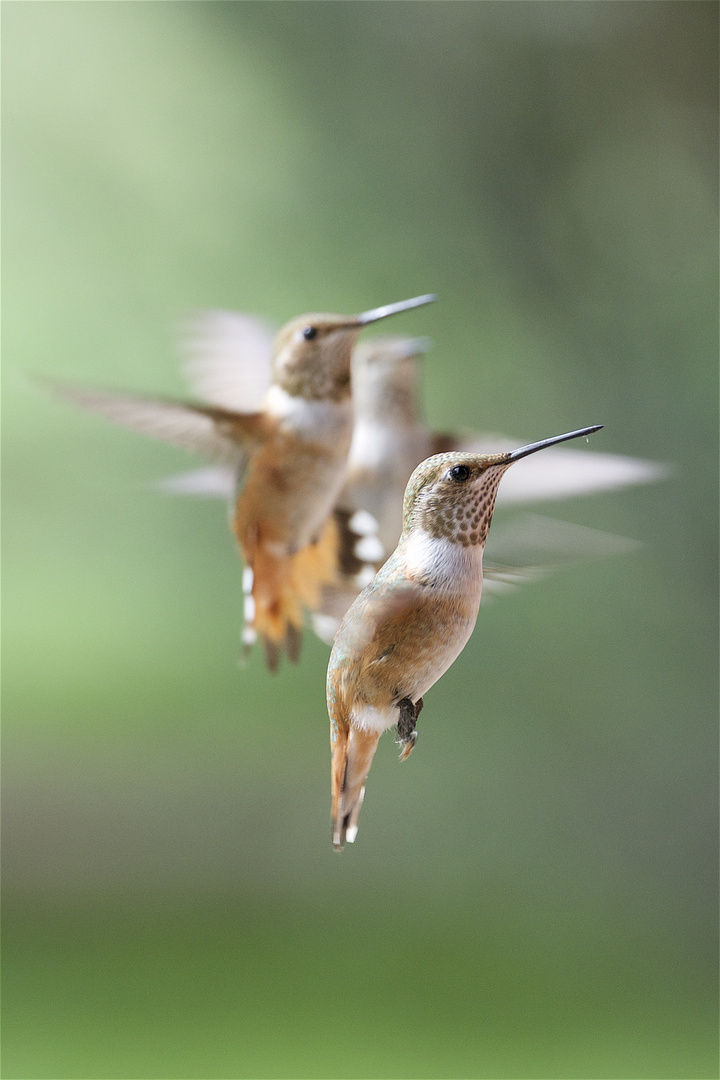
column 459, row 512
column 464, row 519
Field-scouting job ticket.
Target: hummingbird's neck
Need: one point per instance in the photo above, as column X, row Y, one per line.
column 441, row 563
column 386, row 402
column 319, row 420
column 315, row 385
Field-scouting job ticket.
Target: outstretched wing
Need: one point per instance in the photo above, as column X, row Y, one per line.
column 528, row 547
column 212, row 482
column 204, row 430
column 228, row 358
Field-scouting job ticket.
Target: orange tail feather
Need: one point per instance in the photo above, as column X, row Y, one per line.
column 272, row 608
column 353, row 751
column 316, row 566
column 280, row 587
column 323, row 577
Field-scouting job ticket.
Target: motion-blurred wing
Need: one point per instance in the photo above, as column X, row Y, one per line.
column 228, row 359
column 528, row 547
column 214, row 482
column 559, row 474
column 190, row 427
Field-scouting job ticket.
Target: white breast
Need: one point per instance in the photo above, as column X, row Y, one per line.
column 321, row 420
column 448, row 565
column 320, row 433
column 451, row 568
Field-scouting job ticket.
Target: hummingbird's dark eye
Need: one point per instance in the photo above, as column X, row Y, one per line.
column 309, row 333
column 459, row 473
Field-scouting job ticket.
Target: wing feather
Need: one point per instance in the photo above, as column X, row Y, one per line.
column 204, row 431
column 228, row 358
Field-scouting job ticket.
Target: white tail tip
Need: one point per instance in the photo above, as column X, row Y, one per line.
column 249, row 608
column 363, row 523
column 369, row 549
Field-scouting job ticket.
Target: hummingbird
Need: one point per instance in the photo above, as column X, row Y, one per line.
column 411, row 622
column 391, row 437
column 286, row 446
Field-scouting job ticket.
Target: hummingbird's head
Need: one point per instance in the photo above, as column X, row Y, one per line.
column 312, row 352
column 312, row 356
column 453, row 495
column 386, row 386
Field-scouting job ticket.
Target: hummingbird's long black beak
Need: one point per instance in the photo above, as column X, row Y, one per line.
column 393, row 309
column 515, row 455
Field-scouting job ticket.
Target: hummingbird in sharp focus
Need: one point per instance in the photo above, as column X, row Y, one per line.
column 413, row 620
column 284, row 429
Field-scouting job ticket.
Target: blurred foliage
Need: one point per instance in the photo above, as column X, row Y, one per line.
column 533, row 894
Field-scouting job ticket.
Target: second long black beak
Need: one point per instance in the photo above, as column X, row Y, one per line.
column 523, row 451
column 393, row 309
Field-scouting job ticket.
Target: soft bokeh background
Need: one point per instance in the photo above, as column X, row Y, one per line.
column 533, row 894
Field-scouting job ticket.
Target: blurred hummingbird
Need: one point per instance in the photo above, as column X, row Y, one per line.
column 286, row 444
column 414, row 619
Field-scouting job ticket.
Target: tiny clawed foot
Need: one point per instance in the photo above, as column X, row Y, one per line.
column 407, row 745
column 407, row 733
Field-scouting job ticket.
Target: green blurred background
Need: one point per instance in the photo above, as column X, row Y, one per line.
column 533, row 894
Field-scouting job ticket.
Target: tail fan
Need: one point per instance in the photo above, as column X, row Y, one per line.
column 353, row 751
column 272, row 609
column 279, row 588
column 323, row 578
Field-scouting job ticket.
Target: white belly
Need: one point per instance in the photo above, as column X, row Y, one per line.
column 315, row 477
column 452, row 568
